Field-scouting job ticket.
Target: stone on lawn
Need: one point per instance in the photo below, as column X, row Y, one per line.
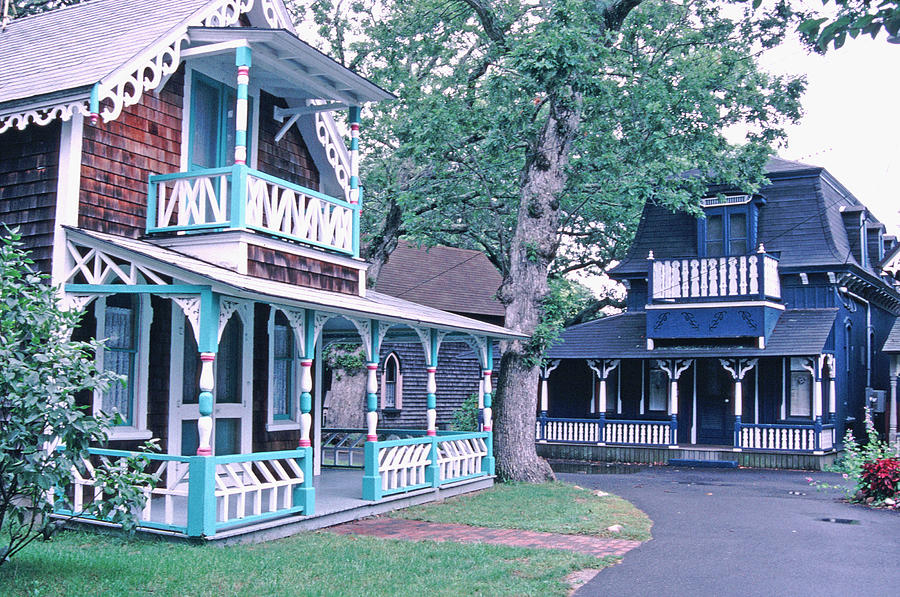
column 616, row 528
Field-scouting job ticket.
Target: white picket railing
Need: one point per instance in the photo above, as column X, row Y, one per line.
column 403, row 466
column 459, row 458
column 240, row 197
column 586, row 431
column 256, row 487
column 166, row 503
column 785, row 437
column 638, row 432
column 288, row 210
column 715, row 277
column 193, row 199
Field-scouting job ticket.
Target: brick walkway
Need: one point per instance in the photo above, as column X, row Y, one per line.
column 417, row 530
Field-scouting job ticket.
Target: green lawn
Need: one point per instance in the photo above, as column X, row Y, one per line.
column 549, row 507
column 321, row 563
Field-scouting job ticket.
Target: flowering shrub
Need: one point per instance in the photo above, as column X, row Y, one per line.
column 880, row 478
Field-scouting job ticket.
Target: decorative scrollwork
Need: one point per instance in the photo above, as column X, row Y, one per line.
column 42, row 116
column 717, row 319
column 692, row 321
column 660, row 321
column 330, row 139
column 745, row 315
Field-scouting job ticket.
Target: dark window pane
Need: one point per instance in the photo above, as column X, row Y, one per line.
column 228, row 362
column 659, row 386
column 737, row 247
column 714, row 228
column 190, row 380
column 204, row 125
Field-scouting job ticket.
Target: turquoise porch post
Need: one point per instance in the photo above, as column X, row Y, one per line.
column 242, row 60
column 488, row 464
column 431, row 384
column 201, row 515
column 305, row 494
column 208, row 346
column 371, row 475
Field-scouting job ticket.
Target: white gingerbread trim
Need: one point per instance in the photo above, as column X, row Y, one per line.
column 43, row 115
column 99, row 267
column 229, row 306
column 738, row 367
column 190, row 306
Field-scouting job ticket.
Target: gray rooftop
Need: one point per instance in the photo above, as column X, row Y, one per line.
column 797, row 332
column 74, row 47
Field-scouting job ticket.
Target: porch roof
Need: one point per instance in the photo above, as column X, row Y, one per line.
column 892, row 343
column 190, row 270
column 798, row 332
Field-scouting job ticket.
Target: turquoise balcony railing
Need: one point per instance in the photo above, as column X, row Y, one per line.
column 239, row 197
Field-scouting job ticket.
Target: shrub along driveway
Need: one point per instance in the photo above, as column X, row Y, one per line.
column 746, row 532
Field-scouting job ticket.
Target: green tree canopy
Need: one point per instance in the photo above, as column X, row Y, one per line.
column 536, row 131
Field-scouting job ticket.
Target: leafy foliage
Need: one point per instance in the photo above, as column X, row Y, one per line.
column 24, row 8
column 43, row 435
column 344, row 358
column 465, row 418
column 880, row 478
column 566, row 299
column 848, row 18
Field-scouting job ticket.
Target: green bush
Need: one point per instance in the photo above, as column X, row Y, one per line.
column 466, row 416
column 43, row 434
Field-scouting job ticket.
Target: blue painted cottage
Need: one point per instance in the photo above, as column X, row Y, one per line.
column 176, row 169
column 751, row 334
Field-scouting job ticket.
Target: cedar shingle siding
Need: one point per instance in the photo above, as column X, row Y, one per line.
column 119, row 157
column 302, row 271
column 289, row 158
column 29, row 162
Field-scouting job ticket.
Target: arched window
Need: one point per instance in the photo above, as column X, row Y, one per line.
column 848, row 346
column 391, row 383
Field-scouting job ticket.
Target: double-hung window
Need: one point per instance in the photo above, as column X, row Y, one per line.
column 284, row 374
column 729, row 228
column 800, row 393
column 124, row 352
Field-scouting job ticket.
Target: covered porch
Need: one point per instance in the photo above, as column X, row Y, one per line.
column 226, row 369
column 772, row 406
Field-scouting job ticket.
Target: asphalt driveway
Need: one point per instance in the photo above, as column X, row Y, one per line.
column 748, row 532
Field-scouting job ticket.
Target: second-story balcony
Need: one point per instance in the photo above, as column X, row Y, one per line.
column 240, row 198
column 752, row 277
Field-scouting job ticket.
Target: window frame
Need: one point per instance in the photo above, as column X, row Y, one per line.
column 795, row 366
column 136, row 428
column 217, row 77
column 290, row 422
column 749, row 208
column 665, row 409
column 398, row 383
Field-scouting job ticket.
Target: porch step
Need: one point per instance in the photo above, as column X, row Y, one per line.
column 702, row 463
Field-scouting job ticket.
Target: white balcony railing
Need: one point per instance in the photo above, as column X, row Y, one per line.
column 715, row 278
column 241, row 197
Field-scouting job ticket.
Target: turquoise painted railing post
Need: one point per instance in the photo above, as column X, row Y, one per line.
column 371, row 476
column 151, row 205
column 238, row 195
column 201, row 519
column 488, row 464
column 305, row 494
column 432, row 471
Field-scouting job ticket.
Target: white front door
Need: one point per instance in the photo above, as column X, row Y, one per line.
column 233, row 408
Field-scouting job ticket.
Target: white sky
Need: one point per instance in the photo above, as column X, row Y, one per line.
column 850, row 124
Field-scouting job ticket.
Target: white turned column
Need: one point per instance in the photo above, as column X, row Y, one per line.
column 306, row 386
column 738, row 397
column 817, row 396
column 431, row 392
column 487, row 424
column 892, row 429
column 371, row 402
column 673, row 396
column 206, row 400
column 544, row 394
column 601, row 407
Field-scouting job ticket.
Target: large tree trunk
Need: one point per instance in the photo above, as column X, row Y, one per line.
column 533, row 248
column 346, row 402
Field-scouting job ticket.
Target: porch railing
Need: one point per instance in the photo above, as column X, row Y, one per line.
column 715, row 278
column 403, row 465
column 605, row 431
column 243, row 198
column 345, row 447
column 784, row 437
column 201, row 495
column 812, row 437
